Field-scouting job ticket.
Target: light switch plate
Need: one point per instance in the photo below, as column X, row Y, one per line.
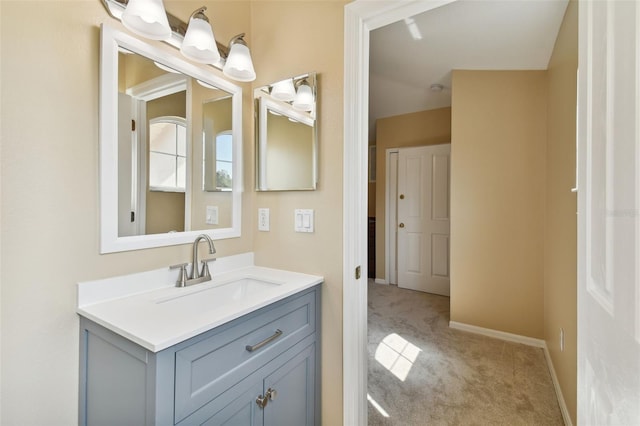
column 303, row 220
column 211, row 217
column 263, row 219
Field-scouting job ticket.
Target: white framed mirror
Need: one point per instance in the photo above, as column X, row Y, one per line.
column 286, row 135
column 163, row 181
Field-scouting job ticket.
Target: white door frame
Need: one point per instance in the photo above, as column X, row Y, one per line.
column 360, row 17
column 390, row 204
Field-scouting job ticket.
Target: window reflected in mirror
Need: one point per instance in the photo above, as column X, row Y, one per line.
column 224, row 161
column 167, row 154
column 217, row 147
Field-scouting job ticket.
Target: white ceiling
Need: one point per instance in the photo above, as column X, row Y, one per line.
column 465, row 34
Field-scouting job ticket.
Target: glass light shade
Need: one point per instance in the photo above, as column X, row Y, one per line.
column 199, row 44
column 284, row 90
column 304, row 98
column 147, row 18
column 239, row 65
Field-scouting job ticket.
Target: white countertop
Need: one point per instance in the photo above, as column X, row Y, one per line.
column 155, row 314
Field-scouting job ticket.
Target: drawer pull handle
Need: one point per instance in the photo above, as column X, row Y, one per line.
column 266, row 341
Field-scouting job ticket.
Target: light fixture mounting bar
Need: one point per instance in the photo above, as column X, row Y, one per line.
column 178, row 27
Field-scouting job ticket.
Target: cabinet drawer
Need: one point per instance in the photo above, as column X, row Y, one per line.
column 210, row 366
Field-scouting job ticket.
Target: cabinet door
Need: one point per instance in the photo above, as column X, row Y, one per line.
column 294, row 384
column 243, row 411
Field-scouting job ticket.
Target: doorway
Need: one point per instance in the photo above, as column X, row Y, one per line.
column 418, row 218
column 360, row 19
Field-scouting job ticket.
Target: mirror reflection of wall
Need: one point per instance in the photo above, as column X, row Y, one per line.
column 286, row 139
column 290, row 142
column 157, row 177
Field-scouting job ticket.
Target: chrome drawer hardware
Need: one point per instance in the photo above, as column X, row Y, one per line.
column 266, row 341
column 262, row 401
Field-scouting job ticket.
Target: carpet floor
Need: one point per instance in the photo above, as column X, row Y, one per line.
column 421, row 372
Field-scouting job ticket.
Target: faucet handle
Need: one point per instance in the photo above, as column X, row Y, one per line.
column 205, row 267
column 182, row 274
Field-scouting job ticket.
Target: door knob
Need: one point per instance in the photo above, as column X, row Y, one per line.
column 401, row 225
column 402, row 196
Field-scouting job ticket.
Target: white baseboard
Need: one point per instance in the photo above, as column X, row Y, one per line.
column 502, row 335
column 381, row 281
column 530, row 341
column 556, row 384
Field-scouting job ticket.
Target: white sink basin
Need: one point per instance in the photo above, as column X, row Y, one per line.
column 149, row 310
column 224, row 292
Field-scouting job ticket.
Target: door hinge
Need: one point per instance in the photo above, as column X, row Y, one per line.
column 133, row 125
column 133, row 217
column 358, row 273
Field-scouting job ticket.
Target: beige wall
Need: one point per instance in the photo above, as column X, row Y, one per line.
column 49, row 178
column 560, row 258
column 289, row 153
column 419, row 128
column 291, row 38
column 49, row 206
column 498, row 131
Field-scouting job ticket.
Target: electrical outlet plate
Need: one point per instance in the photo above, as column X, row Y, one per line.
column 263, row 219
column 211, row 216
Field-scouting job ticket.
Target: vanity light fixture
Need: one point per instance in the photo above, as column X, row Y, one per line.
column 304, row 96
column 239, row 65
column 147, row 18
column 284, row 90
column 199, row 43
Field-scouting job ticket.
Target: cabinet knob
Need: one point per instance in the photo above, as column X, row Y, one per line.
column 272, row 394
column 402, row 196
column 262, row 401
column 401, row 225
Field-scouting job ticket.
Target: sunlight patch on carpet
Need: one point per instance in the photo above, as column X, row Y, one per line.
column 377, row 406
column 397, row 355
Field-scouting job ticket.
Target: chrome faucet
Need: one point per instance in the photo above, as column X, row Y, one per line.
column 205, row 268
column 196, row 276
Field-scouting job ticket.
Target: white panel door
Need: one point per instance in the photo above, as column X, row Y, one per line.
column 423, row 218
column 608, row 225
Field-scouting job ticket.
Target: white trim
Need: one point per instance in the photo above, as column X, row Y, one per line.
column 388, row 250
column 529, row 341
column 111, row 39
column 496, row 334
column 556, row 385
column 360, row 17
column 164, row 85
column 381, row 281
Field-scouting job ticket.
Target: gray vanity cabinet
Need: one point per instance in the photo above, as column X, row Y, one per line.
column 260, row 369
